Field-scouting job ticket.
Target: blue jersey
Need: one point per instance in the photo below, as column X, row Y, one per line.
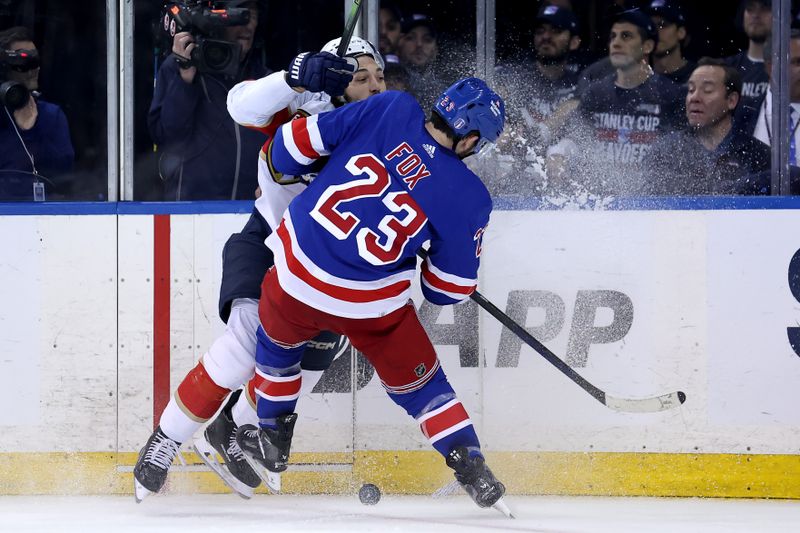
column 348, row 244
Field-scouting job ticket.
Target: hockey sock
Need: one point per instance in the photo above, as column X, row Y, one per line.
column 175, row 424
column 448, row 426
column 277, row 379
column 278, row 390
column 244, row 410
column 441, row 416
column 195, row 401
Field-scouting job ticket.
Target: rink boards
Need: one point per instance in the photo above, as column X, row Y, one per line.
column 107, row 306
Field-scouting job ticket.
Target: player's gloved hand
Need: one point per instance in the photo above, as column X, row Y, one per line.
column 320, row 72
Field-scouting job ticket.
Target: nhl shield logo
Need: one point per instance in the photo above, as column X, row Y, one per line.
column 420, row 370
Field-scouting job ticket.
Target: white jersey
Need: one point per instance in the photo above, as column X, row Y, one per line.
column 265, row 104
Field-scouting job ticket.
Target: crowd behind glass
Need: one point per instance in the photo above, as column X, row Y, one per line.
column 605, row 98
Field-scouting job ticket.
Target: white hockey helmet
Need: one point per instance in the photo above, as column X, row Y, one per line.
column 357, row 47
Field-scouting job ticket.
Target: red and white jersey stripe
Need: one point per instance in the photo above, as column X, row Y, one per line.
column 452, row 286
column 312, row 285
column 277, row 388
column 444, row 420
column 302, row 140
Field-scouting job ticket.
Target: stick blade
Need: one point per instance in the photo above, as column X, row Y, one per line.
column 655, row 404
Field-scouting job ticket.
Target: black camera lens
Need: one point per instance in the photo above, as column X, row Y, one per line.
column 217, row 55
column 211, row 53
column 13, row 95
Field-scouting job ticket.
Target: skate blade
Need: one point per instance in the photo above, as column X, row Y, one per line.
column 209, row 456
column 139, row 491
column 271, row 479
column 501, row 506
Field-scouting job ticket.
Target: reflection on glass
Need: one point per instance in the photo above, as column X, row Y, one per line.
column 53, row 124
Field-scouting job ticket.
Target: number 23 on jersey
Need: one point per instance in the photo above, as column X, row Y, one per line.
column 378, row 246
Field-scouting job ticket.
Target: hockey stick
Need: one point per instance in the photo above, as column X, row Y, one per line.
column 628, row 405
column 349, row 28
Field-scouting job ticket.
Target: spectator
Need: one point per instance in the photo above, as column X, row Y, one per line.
column 205, row 155
column 418, row 49
column 579, row 58
column 757, row 23
column 35, row 148
column 621, row 116
column 389, row 29
column 763, row 125
column 668, row 56
column 711, row 157
column 396, row 76
column 602, row 67
column 534, row 91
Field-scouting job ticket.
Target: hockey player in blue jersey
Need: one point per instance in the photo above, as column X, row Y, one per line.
column 346, row 252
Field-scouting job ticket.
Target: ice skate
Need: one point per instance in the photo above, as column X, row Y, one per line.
column 267, row 449
column 220, row 438
column 152, row 467
column 479, row 482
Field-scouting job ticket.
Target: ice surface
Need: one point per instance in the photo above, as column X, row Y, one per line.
column 264, row 513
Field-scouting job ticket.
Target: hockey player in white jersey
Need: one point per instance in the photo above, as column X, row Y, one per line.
column 304, row 89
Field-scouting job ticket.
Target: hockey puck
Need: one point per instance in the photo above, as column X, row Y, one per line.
column 369, row 494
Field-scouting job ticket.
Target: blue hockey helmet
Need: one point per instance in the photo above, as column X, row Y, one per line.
column 470, row 105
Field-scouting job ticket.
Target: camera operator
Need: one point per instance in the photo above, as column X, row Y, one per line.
column 204, row 154
column 35, row 146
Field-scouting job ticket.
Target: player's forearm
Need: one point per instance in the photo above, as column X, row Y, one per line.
column 282, row 161
column 443, row 287
column 254, row 103
column 297, row 146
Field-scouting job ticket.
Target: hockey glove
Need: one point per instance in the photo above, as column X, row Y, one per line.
column 320, row 72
